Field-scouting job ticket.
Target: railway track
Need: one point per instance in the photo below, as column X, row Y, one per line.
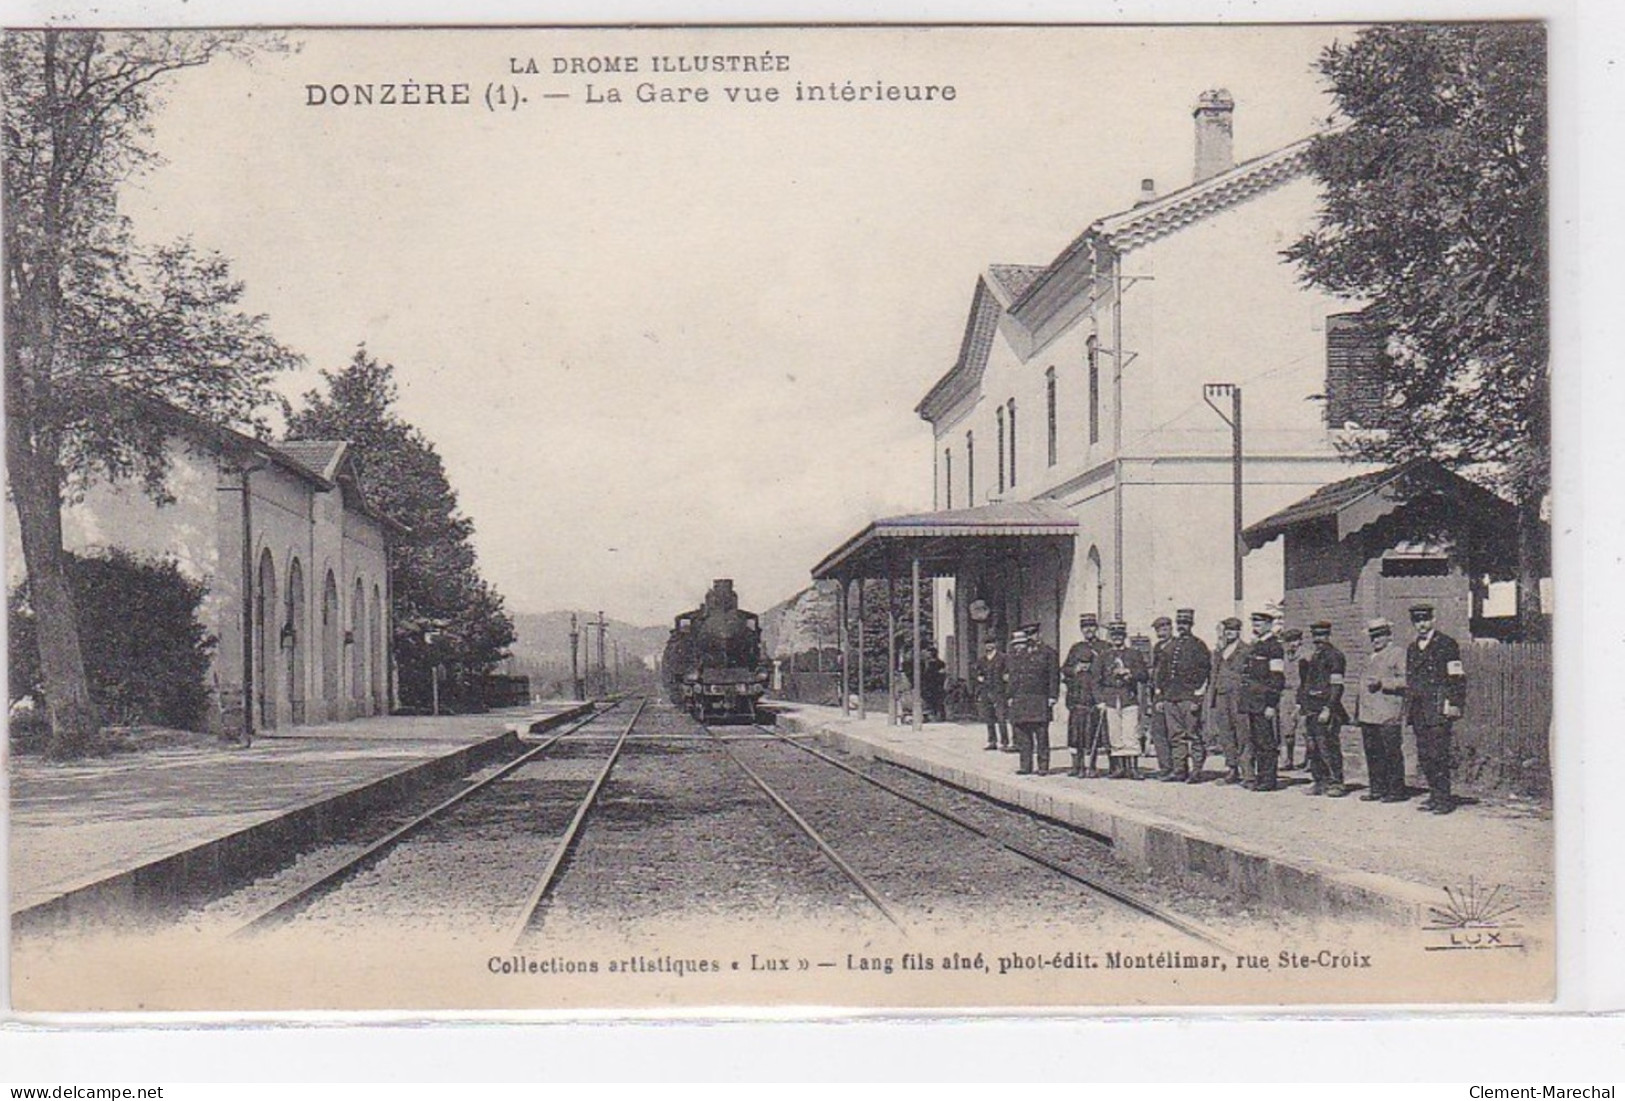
column 291, row 904
column 1093, row 884
column 856, row 878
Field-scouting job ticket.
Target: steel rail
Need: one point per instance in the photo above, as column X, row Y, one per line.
column 550, row 873
column 806, row 827
column 1149, row 909
column 291, row 904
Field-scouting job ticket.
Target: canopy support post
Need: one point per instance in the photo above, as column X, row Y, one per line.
column 919, row 698
column 891, row 648
column 863, row 708
column 840, row 611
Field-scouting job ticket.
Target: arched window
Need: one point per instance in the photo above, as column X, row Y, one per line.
column 293, row 635
column 267, row 641
column 1000, row 480
column 1011, row 405
column 970, row 470
column 331, row 631
column 358, row 643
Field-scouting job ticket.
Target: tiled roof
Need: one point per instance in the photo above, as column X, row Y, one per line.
column 1014, row 279
column 1142, row 224
column 974, row 346
column 318, row 455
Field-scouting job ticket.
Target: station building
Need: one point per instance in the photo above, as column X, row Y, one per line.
column 1081, row 462
column 294, row 560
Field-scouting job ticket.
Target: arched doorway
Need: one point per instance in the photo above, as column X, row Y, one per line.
column 293, row 632
column 376, row 637
column 330, row 647
column 266, row 629
column 358, row 649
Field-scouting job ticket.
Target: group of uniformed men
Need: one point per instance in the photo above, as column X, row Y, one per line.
column 1190, row 700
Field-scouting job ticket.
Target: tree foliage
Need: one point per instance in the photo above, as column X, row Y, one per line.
column 146, row 649
column 1435, row 212
column 445, row 613
column 97, row 325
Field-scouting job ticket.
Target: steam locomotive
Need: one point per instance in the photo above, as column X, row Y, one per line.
column 713, row 660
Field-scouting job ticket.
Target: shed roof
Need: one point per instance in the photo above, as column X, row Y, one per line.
column 1363, row 499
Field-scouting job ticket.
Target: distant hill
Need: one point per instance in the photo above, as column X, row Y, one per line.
column 544, row 640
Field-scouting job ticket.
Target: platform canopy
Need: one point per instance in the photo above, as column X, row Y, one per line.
column 941, row 541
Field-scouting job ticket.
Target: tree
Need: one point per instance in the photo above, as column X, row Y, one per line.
column 147, row 651
column 1435, row 212
column 445, row 614
column 96, row 324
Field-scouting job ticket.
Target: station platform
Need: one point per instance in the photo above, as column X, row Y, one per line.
column 1336, row 858
column 135, row 828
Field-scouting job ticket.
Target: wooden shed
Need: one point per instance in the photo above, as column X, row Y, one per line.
column 1375, row 544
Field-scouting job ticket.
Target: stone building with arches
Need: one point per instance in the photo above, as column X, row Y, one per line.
column 294, row 561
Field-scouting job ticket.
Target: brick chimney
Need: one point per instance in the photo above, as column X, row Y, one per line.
column 1214, row 112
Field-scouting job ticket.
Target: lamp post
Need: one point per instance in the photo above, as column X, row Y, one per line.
column 1211, row 391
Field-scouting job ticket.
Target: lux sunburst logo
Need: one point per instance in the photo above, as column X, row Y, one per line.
column 1474, row 917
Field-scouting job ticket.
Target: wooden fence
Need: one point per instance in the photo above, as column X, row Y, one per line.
column 1503, row 742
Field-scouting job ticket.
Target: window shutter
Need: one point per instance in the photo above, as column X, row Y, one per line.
column 1356, row 372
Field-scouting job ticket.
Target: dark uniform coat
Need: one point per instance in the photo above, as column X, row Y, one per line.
column 1182, row 669
column 1119, row 672
column 1079, row 671
column 1433, row 677
column 1263, row 675
column 1320, row 683
column 1035, row 680
column 988, row 676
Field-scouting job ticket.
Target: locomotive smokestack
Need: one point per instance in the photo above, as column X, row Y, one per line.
column 722, row 596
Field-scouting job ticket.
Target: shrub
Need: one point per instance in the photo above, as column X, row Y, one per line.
column 146, row 651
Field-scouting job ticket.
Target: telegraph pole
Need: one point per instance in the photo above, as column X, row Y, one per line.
column 603, row 678
column 577, row 689
column 1210, row 391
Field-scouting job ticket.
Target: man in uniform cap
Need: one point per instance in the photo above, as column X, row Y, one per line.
column 988, row 677
column 1263, row 679
column 1155, row 719
column 1119, row 672
column 1381, row 707
column 1227, row 728
column 1320, row 693
column 1034, row 685
column 1292, row 702
column 1078, row 670
column 1182, row 678
column 1435, row 694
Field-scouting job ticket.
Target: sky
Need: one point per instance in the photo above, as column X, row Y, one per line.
column 660, row 343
